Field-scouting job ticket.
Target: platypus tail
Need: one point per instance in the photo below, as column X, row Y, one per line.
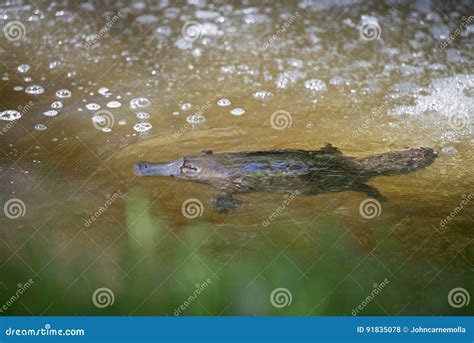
column 397, row 162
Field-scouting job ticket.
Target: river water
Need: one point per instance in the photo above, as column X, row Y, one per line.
column 93, row 88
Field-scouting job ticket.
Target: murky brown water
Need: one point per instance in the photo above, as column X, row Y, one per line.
column 305, row 74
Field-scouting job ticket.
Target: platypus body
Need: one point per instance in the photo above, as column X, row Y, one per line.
column 287, row 171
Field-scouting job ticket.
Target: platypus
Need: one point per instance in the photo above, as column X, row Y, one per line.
column 287, row 171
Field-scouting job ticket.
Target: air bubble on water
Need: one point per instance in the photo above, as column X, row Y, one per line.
column 23, row 68
column 106, row 129
column 143, row 115
column 10, row 115
column 54, row 64
column 139, row 102
column 186, row 106
column 93, row 106
column 146, row 19
column 40, row 127
column 18, row 88
column 262, row 95
column 27, row 79
column 63, row 93
column 98, row 119
column 175, row 113
column 315, row 85
column 142, row 127
column 104, row 91
column 51, row 113
column 57, row 104
column 223, row 102
column 195, row 119
column 449, row 150
column 122, row 122
column 34, row 89
column 237, row 111
column 114, row 104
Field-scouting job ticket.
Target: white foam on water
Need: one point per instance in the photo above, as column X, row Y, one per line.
column 10, row 115
column 142, row 127
column 50, row 113
column 93, row 106
column 114, row 104
column 63, row 93
column 23, row 68
column 237, row 111
column 223, row 102
column 262, row 95
column 57, row 104
column 34, row 89
column 139, row 103
column 40, row 127
column 195, row 119
column 315, row 85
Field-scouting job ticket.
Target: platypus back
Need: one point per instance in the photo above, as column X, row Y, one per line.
column 397, row 162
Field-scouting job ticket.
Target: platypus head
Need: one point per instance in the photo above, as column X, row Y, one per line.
column 173, row 168
column 197, row 168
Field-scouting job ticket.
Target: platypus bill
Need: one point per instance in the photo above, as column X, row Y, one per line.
column 287, row 171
